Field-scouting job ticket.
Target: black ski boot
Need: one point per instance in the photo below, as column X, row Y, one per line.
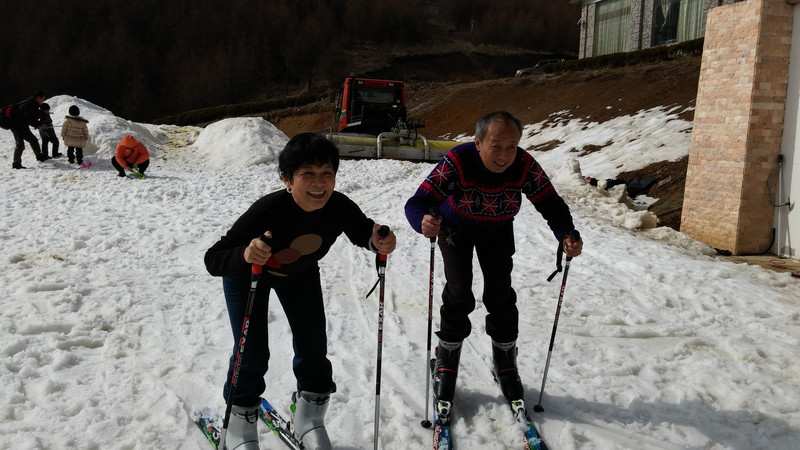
column 505, row 369
column 445, row 370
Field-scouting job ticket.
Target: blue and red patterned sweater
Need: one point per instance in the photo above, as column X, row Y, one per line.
column 470, row 196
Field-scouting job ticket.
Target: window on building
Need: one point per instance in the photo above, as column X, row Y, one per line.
column 677, row 21
column 665, row 21
column 690, row 20
column 611, row 26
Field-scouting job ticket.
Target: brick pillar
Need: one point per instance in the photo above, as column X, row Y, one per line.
column 738, row 124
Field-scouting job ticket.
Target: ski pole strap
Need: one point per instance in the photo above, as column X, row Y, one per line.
column 574, row 235
column 380, row 260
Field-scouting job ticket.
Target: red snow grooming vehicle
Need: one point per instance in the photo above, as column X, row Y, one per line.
column 372, row 122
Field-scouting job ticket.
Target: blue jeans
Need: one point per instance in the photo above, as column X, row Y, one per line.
column 301, row 299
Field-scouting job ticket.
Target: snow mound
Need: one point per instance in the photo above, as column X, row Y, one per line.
column 239, row 142
column 572, row 185
column 106, row 129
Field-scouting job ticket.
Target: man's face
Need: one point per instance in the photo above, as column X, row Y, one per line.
column 498, row 148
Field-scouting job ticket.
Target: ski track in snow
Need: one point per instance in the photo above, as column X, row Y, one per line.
column 113, row 332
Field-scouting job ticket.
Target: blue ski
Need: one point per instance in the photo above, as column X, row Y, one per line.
column 442, row 438
column 532, row 438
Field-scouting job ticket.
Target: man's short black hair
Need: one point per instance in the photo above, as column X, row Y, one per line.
column 495, row 116
column 304, row 149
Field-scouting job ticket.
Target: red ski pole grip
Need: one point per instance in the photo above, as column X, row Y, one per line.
column 256, row 268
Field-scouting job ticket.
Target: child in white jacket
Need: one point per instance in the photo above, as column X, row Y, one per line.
column 75, row 134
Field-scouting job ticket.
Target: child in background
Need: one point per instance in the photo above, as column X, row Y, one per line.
column 75, row 133
column 48, row 134
column 129, row 155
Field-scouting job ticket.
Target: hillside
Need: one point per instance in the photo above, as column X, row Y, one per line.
column 450, row 109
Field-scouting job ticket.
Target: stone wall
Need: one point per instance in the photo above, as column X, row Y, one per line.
column 738, row 124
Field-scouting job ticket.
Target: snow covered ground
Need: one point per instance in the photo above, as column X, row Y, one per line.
column 112, row 332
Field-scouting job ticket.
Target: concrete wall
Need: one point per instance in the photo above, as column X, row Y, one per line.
column 587, row 30
column 787, row 221
column 738, row 125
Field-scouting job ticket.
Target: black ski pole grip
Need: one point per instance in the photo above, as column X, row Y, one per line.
column 380, row 259
column 383, row 231
column 267, row 241
column 574, row 235
column 434, row 211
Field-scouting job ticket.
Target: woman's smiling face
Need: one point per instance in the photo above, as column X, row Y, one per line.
column 312, row 185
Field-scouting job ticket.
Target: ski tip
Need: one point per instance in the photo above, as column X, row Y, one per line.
column 210, row 429
column 204, row 413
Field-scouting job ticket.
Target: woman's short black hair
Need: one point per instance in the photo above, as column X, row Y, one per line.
column 307, row 149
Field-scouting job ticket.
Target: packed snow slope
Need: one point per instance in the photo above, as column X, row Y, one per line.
column 112, row 333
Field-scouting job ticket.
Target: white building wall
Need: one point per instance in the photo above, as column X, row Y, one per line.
column 787, row 222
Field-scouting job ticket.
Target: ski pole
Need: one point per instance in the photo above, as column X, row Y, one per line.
column 380, row 261
column 576, row 236
column 426, row 423
column 255, row 275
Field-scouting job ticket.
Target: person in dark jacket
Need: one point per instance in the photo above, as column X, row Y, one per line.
column 47, row 131
column 301, row 223
column 24, row 115
column 475, row 192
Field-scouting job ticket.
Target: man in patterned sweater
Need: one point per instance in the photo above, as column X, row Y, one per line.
column 477, row 189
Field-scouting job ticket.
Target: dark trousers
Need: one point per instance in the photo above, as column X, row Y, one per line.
column 121, row 170
column 22, row 135
column 495, row 250
column 48, row 136
column 301, row 299
column 75, row 153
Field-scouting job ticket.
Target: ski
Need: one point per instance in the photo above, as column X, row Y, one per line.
column 533, row 439
column 86, row 165
column 442, row 437
column 278, row 424
column 208, row 424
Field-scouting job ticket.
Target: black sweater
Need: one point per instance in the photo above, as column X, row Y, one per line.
column 299, row 238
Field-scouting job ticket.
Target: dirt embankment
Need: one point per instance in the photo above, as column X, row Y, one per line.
column 450, row 109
